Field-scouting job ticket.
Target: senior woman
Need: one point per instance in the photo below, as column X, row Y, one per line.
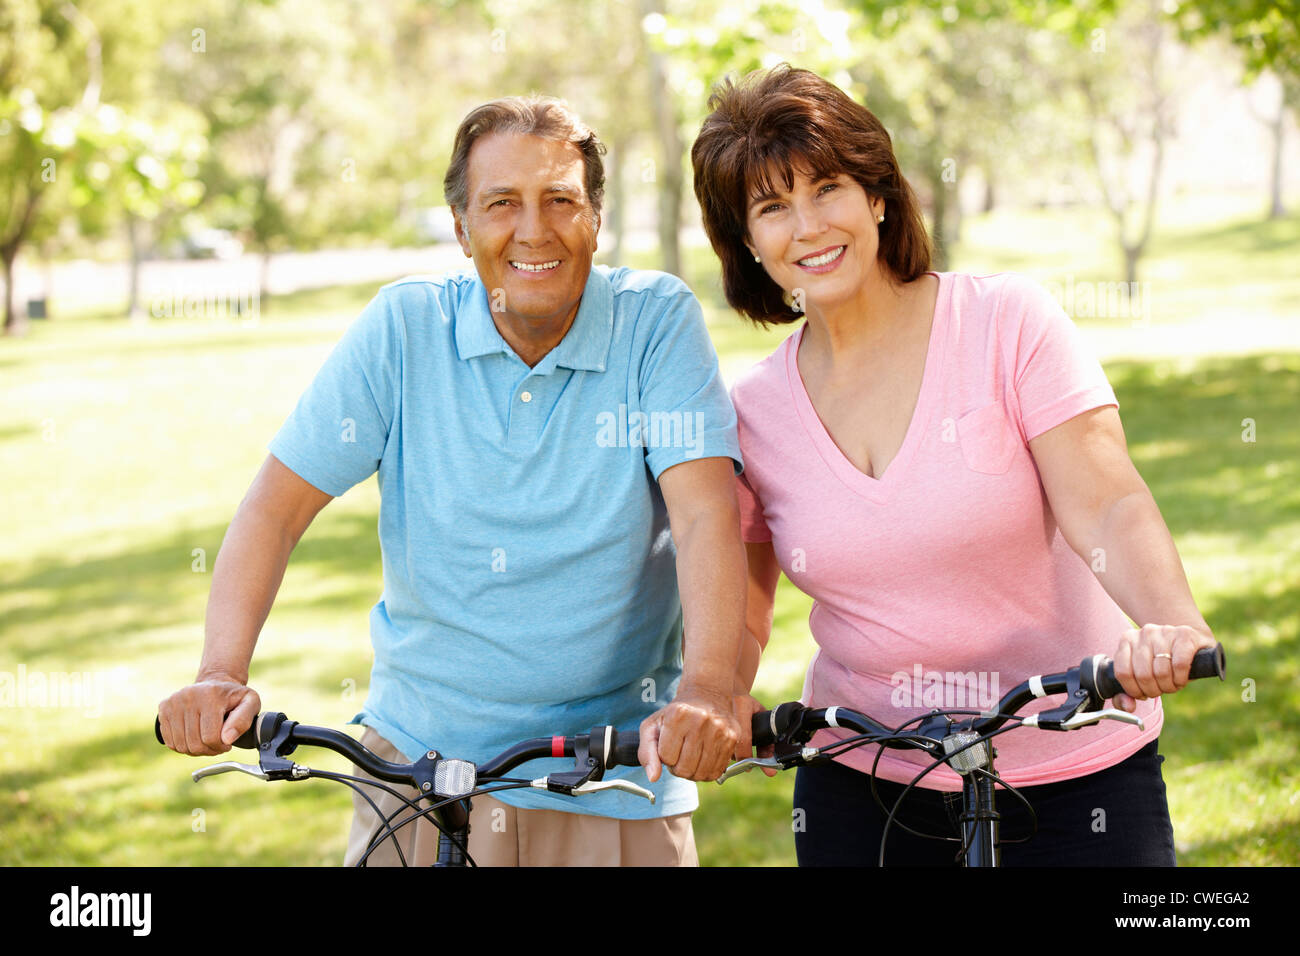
column 935, row 459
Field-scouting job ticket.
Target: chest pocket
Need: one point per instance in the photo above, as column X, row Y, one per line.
column 988, row 442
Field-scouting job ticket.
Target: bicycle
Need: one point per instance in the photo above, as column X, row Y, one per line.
column 963, row 745
column 447, row 784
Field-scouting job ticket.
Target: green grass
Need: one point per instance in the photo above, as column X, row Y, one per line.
column 128, row 447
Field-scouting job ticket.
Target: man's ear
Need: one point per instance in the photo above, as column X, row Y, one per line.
column 462, row 233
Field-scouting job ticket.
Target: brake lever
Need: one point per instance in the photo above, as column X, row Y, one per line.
column 295, row 771
column 748, row 764
column 627, row 786
column 592, row 786
column 1086, row 717
column 1092, row 716
column 228, row 766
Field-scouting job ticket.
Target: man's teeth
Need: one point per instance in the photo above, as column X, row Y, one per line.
column 823, row 259
column 539, row 267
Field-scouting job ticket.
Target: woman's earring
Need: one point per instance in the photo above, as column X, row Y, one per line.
column 880, row 218
column 757, row 259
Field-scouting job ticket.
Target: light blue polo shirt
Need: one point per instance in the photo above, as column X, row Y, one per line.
column 530, row 584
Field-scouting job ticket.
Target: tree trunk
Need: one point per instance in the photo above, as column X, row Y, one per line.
column 1131, row 256
column 987, row 205
column 939, row 199
column 1278, row 128
column 15, row 321
column 669, row 177
column 955, row 219
column 264, row 274
column 133, row 285
column 617, row 199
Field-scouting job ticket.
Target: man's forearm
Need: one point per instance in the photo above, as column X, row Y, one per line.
column 711, row 580
column 245, row 580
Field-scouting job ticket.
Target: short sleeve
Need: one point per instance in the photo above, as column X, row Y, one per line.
column 753, row 527
column 688, row 414
column 336, row 435
column 1056, row 376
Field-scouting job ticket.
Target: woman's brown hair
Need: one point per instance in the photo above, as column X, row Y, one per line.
column 780, row 120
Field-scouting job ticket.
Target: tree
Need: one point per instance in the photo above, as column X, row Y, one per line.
column 149, row 169
column 73, row 99
column 1267, row 32
column 288, row 89
column 50, row 78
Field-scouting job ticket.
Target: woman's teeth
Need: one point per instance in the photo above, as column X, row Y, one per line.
column 823, row 259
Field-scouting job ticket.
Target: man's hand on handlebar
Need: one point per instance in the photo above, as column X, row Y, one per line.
column 207, row 717
column 695, row 735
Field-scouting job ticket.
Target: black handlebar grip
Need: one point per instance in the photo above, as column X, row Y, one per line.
column 247, row 740
column 626, row 744
column 1208, row 662
column 762, row 723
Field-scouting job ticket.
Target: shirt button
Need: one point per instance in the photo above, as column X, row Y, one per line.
column 525, row 397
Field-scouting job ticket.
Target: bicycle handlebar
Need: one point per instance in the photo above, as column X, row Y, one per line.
column 1096, row 673
column 617, row 748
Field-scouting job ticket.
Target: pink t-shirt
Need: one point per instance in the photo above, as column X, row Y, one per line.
column 945, row 582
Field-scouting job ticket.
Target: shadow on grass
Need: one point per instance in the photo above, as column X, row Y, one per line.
column 1245, row 238
column 72, row 607
column 1219, row 447
column 16, row 431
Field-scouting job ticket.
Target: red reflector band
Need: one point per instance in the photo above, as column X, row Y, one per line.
column 557, row 746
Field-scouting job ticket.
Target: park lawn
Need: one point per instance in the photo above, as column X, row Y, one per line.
column 129, row 447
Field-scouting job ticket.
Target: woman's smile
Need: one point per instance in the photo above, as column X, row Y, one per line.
column 826, row 260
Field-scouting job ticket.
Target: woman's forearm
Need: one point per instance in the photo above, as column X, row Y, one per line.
column 1134, row 558
column 751, row 649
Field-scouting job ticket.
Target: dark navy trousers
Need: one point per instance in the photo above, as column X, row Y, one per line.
column 1115, row 817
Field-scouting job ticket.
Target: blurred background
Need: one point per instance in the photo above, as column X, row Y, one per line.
column 198, row 196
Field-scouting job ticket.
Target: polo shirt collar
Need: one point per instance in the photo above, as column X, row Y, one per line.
column 584, row 346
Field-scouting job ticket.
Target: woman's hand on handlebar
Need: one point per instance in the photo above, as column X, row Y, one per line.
column 1155, row 660
column 207, row 717
column 746, row 707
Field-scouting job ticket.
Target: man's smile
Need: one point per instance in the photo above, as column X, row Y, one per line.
column 534, row 267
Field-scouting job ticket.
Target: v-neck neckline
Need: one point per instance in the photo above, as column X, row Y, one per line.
column 877, row 489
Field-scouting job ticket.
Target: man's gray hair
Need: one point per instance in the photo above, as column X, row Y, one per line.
column 534, row 115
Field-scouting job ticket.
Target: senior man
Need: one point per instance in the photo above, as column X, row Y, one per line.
column 558, row 522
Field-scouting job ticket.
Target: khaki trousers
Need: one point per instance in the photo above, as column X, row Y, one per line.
column 501, row 835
